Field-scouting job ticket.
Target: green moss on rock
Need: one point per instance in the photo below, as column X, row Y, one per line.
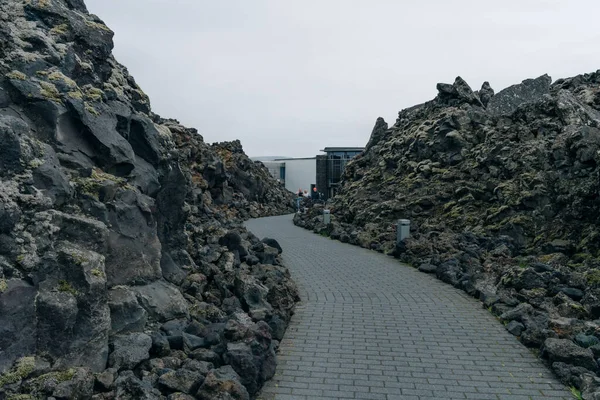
column 3, row 285
column 65, row 287
column 23, row 368
column 16, row 75
column 49, row 91
column 60, row 29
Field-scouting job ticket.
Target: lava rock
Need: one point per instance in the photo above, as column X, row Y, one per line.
column 428, row 268
column 130, row 387
column 515, row 328
column 126, row 314
column 162, row 301
column 273, row 243
column 80, row 386
column 586, row 341
column 160, row 345
column 106, row 379
column 222, row 383
column 563, row 350
column 182, row 380
column 129, row 350
column 508, row 100
column 569, row 374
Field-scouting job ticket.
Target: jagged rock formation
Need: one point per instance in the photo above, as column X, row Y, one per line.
column 121, row 243
column 503, row 194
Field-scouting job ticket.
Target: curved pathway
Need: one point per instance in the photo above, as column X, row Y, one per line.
column 369, row 327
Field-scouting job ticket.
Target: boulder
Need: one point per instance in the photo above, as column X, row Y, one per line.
column 126, row 314
column 449, row 272
column 202, row 367
column 222, row 384
column 428, row 268
column 182, row 380
column 105, row 380
column 17, row 322
column 563, row 350
column 486, row 93
column 586, row 341
column 253, row 295
column 130, row 387
column 80, row 386
column 129, row 350
column 207, row 356
column 515, row 328
column 160, row 345
column 568, row 374
column 162, row 301
column 273, row 243
column 508, row 100
column 133, row 245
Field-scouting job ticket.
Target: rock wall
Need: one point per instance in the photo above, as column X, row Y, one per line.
column 125, row 271
column 502, row 191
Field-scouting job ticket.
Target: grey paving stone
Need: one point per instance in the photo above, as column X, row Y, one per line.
column 369, row 327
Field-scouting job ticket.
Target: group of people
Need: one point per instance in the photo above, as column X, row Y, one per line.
column 315, row 195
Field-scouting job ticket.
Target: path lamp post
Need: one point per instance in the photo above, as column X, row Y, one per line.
column 402, row 230
column 326, row 217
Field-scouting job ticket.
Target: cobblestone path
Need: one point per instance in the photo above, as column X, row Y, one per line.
column 369, row 327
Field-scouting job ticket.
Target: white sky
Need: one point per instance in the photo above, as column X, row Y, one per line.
column 289, row 77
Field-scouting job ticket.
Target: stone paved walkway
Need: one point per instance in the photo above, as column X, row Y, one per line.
column 369, row 327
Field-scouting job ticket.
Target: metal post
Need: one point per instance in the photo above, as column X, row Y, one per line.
column 326, row 217
column 402, row 230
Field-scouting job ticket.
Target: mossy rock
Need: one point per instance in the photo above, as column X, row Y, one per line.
column 60, row 29
column 50, row 92
column 98, row 26
column 58, row 76
column 24, row 366
column 593, row 277
column 3, row 285
column 66, row 287
column 16, row 75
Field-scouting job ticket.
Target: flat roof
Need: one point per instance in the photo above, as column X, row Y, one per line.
column 299, row 158
column 330, row 149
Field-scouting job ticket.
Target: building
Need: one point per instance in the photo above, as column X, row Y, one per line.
column 323, row 171
column 294, row 173
column 330, row 167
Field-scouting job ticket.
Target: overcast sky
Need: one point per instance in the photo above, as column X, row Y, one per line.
column 291, row 77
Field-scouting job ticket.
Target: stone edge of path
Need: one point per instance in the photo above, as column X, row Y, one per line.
column 537, row 352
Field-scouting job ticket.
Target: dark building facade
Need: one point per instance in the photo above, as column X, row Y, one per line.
column 330, row 167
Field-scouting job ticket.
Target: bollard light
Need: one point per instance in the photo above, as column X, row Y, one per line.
column 326, row 217
column 402, row 230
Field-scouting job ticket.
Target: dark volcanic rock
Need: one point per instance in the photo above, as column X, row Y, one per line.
column 501, row 190
column 486, row 93
column 515, row 328
column 110, row 226
column 508, row 100
column 562, row 350
column 129, row 350
column 222, row 384
column 182, row 380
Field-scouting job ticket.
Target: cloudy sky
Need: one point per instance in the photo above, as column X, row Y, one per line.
column 291, row 77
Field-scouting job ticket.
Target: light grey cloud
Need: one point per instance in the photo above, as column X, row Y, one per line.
column 291, row 77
